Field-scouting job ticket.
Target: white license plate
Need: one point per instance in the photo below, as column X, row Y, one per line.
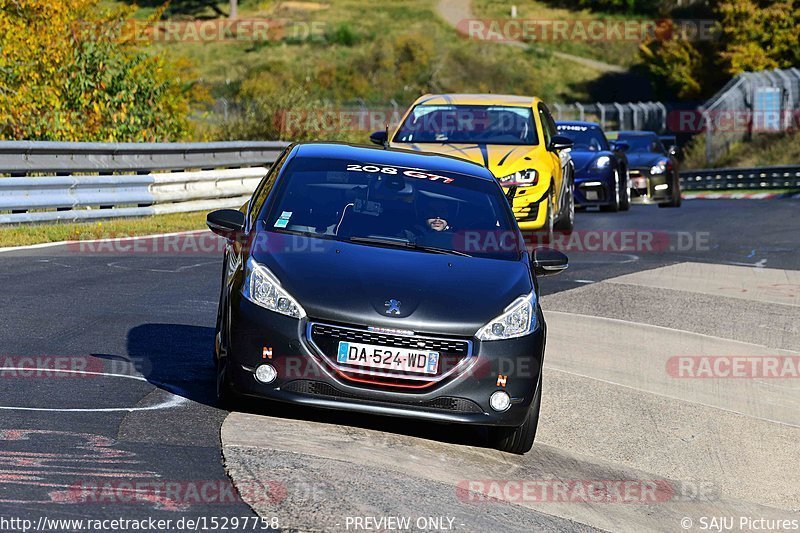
column 591, row 195
column 383, row 358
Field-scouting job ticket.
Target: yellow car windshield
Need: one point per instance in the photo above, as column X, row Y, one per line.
column 468, row 124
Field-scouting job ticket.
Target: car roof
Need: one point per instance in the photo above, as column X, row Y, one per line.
column 577, row 123
column 478, row 99
column 391, row 156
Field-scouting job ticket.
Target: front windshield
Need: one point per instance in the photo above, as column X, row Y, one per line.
column 643, row 143
column 391, row 205
column 468, row 124
column 585, row 138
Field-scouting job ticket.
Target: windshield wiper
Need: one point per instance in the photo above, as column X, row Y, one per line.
column 405, row 243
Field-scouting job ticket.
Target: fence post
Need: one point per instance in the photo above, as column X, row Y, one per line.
column 663, row 109
column 581, row 113
column 709, row 137
column 634, row 115
column 620, row 115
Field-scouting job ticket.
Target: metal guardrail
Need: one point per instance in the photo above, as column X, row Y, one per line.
column 50, row 181
column 129, row 178
column 26, row 157
column 731, row 179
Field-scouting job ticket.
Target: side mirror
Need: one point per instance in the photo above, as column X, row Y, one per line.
column 560, row 142
column 379, row 138
column 226, row 223
column 548, row 262
column 620, row 146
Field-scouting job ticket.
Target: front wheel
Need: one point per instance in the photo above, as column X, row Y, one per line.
column 226, row 397
column 615, row 204
column 625, row 194
column 566, row 223
column 519, row 440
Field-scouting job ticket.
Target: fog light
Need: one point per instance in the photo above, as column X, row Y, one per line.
column 266, row 373
column 500, row 400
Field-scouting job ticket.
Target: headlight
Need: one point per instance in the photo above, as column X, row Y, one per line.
column 658, row 168
column 523, row 177
column 262, row 288
column 602, row 162
column 517, row 320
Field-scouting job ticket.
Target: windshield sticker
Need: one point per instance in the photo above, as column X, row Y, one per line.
column 404, row 171
column 286, row 214
column 281, row 222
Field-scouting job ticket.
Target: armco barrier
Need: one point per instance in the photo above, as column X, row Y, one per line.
column 51, row 181
column 99, row 180
column 731, row 179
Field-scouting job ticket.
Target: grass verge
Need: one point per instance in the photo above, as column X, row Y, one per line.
column 21, row 235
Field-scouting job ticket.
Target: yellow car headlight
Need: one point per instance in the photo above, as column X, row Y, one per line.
column 525, row 177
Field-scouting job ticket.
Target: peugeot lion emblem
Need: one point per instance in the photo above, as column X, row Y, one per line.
column 393, row 307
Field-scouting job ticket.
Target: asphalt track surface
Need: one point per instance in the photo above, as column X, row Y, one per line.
column 141, row 414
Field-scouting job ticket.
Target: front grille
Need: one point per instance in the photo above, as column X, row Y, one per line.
column 452, row 353
column 457, row 347
column 598, row 190
column 325, row 390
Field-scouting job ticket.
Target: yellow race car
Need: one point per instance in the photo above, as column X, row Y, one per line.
column 515, row 137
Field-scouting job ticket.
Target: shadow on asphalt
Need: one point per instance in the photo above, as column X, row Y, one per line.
column 178, row 358
column 175, row 357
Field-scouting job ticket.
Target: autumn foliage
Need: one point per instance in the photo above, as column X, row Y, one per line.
column 750, row 35
column 72, row 71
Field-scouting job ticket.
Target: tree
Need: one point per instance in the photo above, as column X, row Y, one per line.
column 750, row 35
column 71, row 71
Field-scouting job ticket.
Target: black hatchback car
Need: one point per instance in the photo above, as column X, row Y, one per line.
column 383, row 281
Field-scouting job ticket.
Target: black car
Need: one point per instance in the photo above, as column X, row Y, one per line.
column 655, row 178
column 383, row 281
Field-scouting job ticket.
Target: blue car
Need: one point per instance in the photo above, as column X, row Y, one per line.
column 601, row 168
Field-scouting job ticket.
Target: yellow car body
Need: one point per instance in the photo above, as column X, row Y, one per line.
column 545, row 203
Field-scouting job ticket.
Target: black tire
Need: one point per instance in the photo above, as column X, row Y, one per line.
column 614, row 206
column 625, row 194
column 545, row 235
column 226, row 396
column 519, row 440
column 566, row 222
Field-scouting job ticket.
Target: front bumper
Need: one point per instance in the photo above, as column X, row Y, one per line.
column 643, row 187
column 530, row 207
column 260, row 336
column 594, row 187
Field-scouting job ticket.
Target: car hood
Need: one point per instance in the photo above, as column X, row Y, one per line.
column 351, row 283
column 643, row 159
column 500, row 159
column 583, row 158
